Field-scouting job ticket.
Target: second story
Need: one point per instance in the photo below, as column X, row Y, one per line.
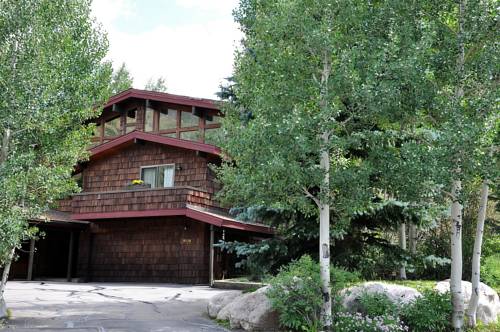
column 151, row 152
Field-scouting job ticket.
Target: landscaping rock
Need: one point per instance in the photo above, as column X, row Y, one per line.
column 396, row 293
column 217, row 302
column 488, row 308
column 252, row 312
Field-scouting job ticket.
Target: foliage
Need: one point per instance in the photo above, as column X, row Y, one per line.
column 429, row 313
column 347, row 322
column 159, row 85
column 51, row 79
column 377, row 304
column 295, row 293
column 257, row 258
column 490, row 271
column 121, row 80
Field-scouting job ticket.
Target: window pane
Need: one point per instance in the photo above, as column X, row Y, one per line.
column 173, row 135
column 191, row 135
column 189, row 120
column 165, row 176
column 213, row 136
column 148, row 175
column 131, row 117
column 112, row 127
column 212, row 119
column 168, row 120
column 148, row 124
column 129, row 129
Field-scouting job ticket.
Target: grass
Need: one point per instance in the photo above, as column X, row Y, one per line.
column 224, row 323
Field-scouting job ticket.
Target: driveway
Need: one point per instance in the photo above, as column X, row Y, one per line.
column 58, row 306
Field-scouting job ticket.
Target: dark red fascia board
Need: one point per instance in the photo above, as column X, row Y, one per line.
column 162, row 97
column 142, row 136
column 190, row 213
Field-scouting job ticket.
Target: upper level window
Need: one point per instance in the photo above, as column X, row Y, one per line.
column 130, row 120
column 168, row 119
column 112, row 127
column 161, row 176
column 149, row 119
column 212, row 119
column 189, row 120
column 97, row 131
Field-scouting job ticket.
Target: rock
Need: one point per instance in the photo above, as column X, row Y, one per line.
column 252, row 312
column 396, row 293
column 488, row 308
column 219, row 301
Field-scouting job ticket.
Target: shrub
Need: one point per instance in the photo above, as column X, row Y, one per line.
column 342, row 278
column 295, row 293
column 429, row 313
column 377, row 304
column 347, row 322
column 490, row 271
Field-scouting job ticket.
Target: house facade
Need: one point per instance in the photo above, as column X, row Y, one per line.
column 147, row 209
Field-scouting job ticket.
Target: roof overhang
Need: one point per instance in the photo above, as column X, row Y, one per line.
column 137, row 136
column 162, row 97
column 211, row 218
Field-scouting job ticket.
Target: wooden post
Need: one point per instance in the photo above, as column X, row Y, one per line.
column 70, row 255
column 29, row 277
column 211, row 261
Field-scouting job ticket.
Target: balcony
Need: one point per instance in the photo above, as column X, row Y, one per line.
column 137, row 201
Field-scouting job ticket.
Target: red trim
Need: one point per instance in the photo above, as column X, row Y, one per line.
column 162, row 97
column 140, row 135
column 208, row 218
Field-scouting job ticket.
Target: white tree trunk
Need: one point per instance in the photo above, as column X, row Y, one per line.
column 412, row 236
column 402, row 244
column 457, row 296
column 476, row 255
column 324, row 238
column 3, row 282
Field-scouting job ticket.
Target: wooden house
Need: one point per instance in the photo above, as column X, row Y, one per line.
column 147, row 210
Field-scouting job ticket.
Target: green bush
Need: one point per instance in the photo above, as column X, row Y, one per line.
column 341, row 278
column 490, row 271
column 295, row 293
column 347, row 322
column 377, row 304
column 429, row 313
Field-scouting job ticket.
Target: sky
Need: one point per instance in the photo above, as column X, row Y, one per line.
column 190, row 43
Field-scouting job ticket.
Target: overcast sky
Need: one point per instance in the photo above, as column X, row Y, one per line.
column 189, row 42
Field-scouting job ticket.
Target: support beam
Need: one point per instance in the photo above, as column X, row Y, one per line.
column 29, row 276
column 70, row 255
column 211, row 260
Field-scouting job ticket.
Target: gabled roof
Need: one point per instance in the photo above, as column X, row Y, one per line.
column 134, row 136
column 162, row 97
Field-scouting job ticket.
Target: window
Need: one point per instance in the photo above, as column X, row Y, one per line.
column 130, row 120
column 212, row 119
column 190, row 135
column 161, row 176
column 213, row 135
column 189, row 120
column 97, row 131
column 168, row 119
column 149, row 121
column 112, row 127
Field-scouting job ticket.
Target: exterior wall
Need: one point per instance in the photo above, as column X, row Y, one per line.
column 116, row 171
column 147, row 250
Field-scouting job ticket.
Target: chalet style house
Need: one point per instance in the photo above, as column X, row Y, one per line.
column 146, row 211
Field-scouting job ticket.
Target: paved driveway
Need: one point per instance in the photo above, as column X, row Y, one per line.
column 38, row 306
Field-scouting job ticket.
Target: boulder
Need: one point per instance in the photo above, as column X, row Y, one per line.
column 217, row 302
column 252, row 312
column 488, row 308
column 396, row 293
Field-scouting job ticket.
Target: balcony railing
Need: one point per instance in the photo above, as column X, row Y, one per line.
column 141, row 200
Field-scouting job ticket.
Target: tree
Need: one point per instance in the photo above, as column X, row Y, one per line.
column 51, row 78
column 121, row 80
column 286, row 135
column 156, row 85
